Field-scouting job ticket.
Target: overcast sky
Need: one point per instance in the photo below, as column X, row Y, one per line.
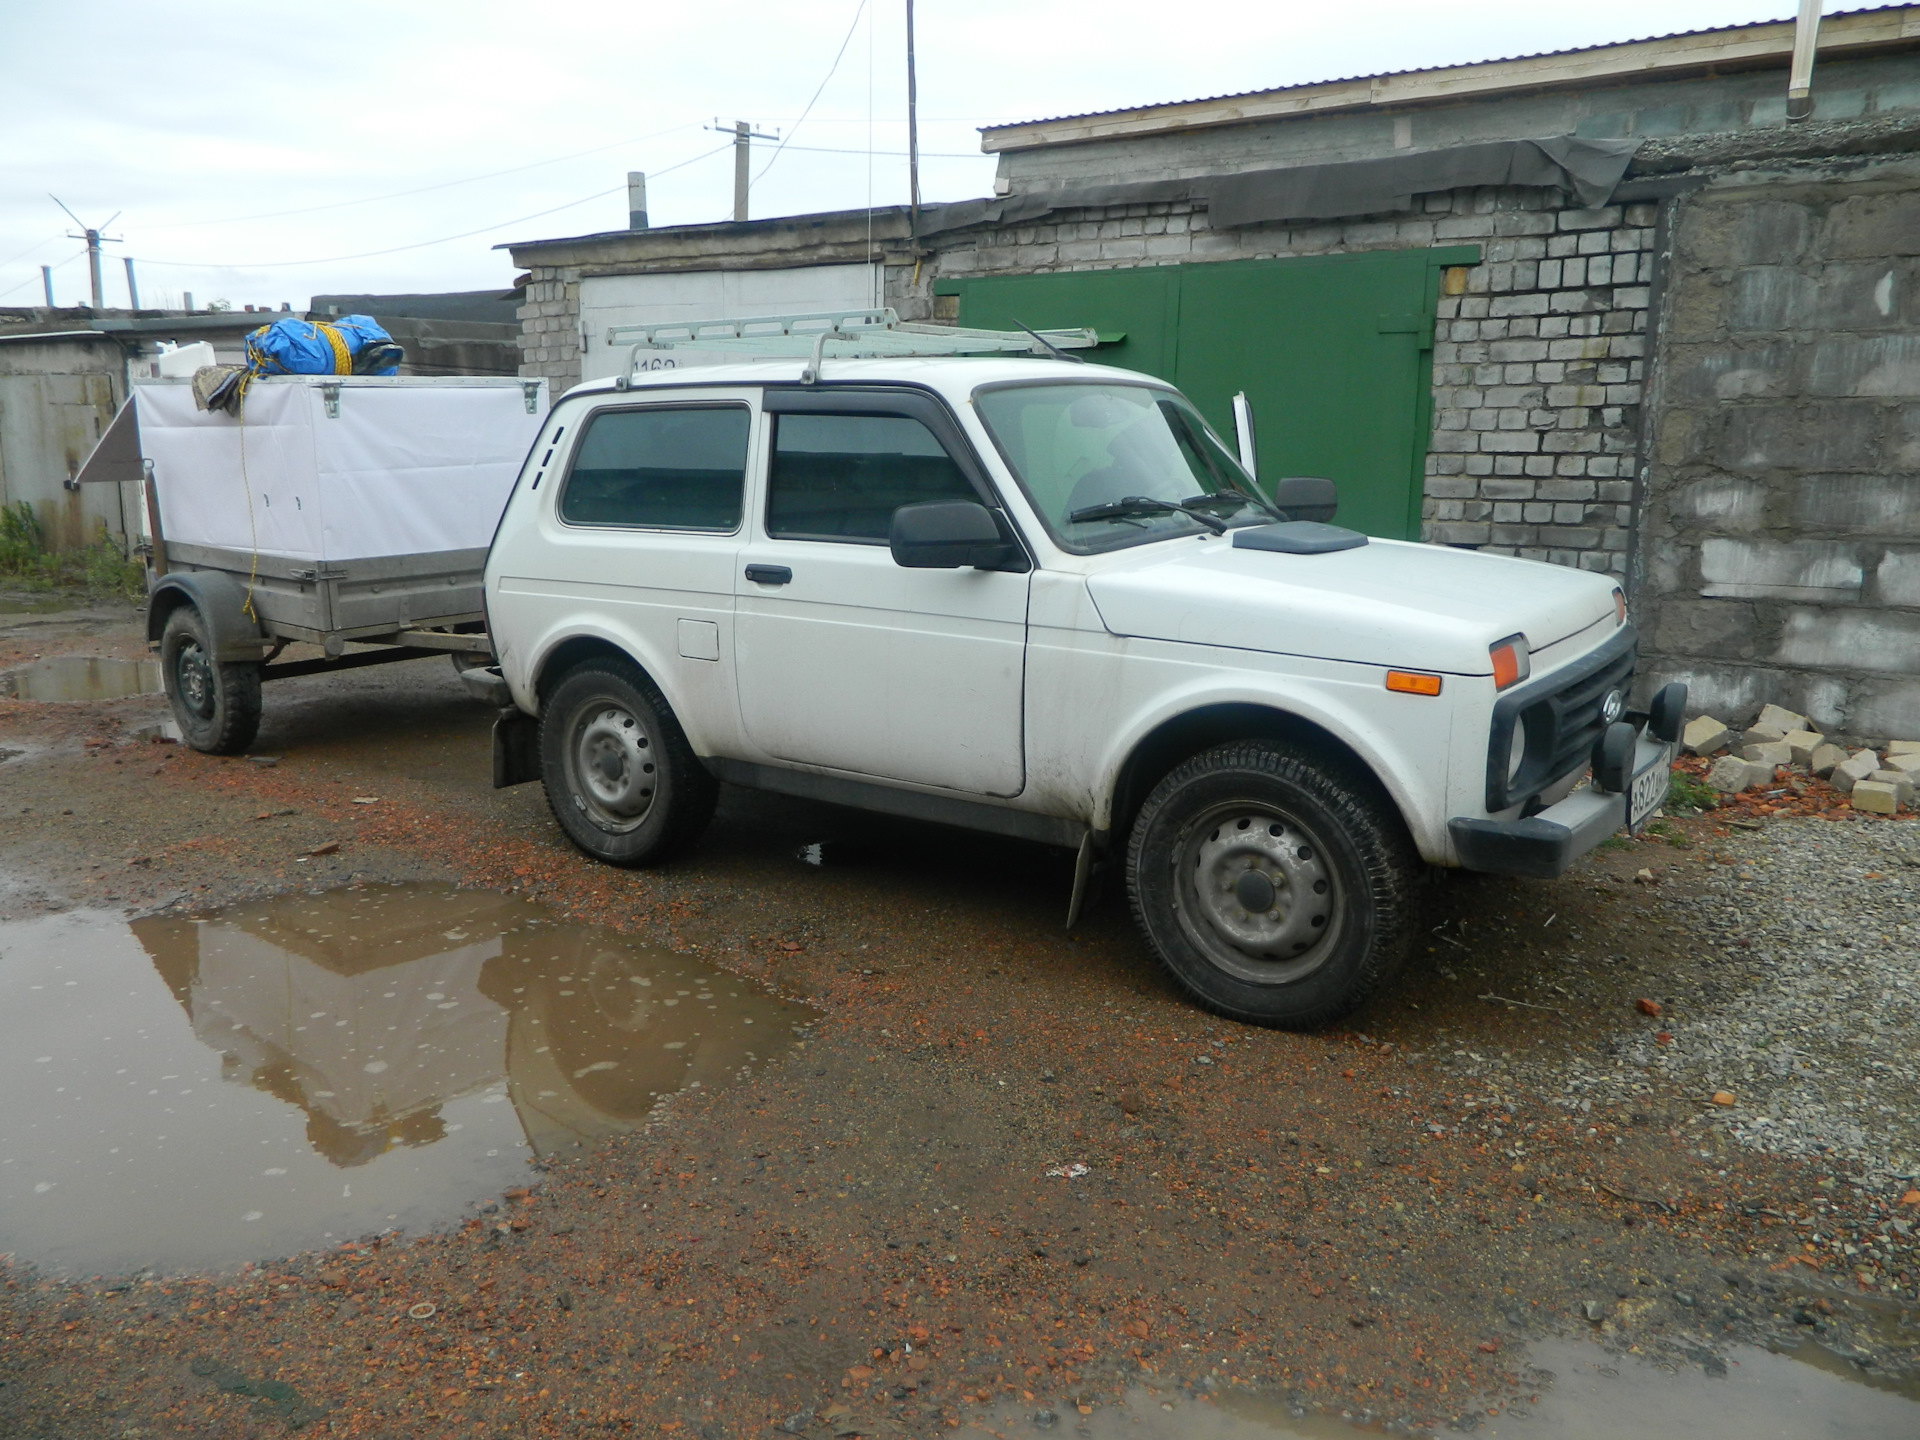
column 271, row 152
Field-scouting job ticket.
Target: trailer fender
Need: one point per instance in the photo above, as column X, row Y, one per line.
column 221, row 603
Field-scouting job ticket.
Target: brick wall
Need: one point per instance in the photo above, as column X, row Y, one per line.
column 550, row 328
column 1538, row 366
column 1781, row 531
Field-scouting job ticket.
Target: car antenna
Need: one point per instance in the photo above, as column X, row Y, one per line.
column 1048, row 345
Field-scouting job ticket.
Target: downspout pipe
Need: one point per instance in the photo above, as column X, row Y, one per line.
column 1806, row 34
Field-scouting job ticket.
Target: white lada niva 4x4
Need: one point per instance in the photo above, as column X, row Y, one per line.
column 1045, row 600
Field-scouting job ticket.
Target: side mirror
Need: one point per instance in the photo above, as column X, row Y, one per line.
column 1307, row 497
column 949, row 534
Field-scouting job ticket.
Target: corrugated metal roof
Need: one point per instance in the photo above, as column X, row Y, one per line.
column 1431, row 69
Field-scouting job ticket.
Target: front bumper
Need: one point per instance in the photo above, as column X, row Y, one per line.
column 1542, row 846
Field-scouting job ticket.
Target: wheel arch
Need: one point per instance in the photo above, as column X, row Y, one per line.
column 222, row 605
column 1178, row 737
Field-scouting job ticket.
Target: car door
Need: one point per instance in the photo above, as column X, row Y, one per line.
column 846, row 660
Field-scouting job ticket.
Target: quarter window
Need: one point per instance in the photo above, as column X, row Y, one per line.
column 668, row 468
column 841, row 477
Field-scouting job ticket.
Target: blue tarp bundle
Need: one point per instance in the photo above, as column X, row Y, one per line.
column 306, row 347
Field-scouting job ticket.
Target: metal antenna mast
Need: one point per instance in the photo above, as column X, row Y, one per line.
column 913, row 138
column 94, row 239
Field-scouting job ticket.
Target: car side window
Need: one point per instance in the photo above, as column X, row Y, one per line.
column 661, row 467
column 841, row 477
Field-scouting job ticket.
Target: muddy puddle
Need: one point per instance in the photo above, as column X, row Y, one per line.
column 179, row 1093
column 1584, row 1393
column 73, row 678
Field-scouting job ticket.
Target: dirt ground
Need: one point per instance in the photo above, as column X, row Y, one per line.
column 866, row 1239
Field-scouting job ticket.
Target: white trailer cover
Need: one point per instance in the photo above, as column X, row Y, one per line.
column 407, row 466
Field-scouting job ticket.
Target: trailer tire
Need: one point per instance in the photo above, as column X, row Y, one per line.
column 1275, row 887
column 619, row 774
column 215, row 703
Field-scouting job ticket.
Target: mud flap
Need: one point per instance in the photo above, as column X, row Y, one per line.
column 516, row 748
column 1083, row 868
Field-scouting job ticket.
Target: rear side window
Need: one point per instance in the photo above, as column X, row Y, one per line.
column 668, row 468
column 841, row 477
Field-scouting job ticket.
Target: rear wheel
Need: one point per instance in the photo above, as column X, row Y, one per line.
column 619, row 774
column 1273, row 887
column 216, row 704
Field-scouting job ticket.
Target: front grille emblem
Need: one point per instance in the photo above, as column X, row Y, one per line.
column 1614, row 706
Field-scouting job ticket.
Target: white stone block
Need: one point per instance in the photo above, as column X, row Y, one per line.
column 1855, row 769
column 1875, row 797
column 1775, row 717
column 1731, row 774
column 1825, row 758
column 1763, row 735
column 1704, row 735
column 1901, row 782
column 1803, row 743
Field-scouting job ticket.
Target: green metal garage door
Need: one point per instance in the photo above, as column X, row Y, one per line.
column 1334, row 353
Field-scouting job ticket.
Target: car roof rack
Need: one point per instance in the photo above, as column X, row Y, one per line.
column 824, row 334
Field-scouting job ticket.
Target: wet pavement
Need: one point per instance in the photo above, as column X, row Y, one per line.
column 193, row 1092
column 1580, row 1392
column 71, row 679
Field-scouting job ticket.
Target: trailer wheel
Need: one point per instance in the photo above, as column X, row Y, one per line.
column 619, row 774
column 1272, row 887
column 216, row 704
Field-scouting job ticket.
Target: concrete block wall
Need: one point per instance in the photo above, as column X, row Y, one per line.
column 550, row 327
column 1781, row 537
column 1538, row 351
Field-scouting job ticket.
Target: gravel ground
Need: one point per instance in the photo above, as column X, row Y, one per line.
column 1373, row 1223
column 1817, row 1037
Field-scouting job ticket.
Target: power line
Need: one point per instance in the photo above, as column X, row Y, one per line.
column 819, row 90
column 423, row 244
column 422, row 189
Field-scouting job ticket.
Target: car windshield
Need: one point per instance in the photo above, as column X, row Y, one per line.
column 1108, row 465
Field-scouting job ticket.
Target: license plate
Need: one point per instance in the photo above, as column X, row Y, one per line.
column 1649, row 791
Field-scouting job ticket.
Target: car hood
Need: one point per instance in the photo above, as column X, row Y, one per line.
column 1418, row 607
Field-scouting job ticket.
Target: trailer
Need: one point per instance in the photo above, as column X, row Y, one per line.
column 351, row 513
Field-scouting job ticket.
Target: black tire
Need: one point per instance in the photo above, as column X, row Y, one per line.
column 216, row 704
column 618, row 772
column 1257, row 823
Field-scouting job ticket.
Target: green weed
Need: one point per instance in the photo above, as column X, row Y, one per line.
column 98, row 569
column 1689, row 795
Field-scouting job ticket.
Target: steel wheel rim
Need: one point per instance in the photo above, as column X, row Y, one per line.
column 1255, row 894
column 610, row 766
column 193, row 679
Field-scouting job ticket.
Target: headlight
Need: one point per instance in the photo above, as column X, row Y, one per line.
column 1517, row 751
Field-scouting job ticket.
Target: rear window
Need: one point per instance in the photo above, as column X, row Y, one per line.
column 663, row 467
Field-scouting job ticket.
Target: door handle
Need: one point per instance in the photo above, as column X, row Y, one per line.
column 769, row 574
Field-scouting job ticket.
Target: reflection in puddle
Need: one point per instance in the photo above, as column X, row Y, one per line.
column 346, row 1062
column 69, row 678
column 1588, row 1394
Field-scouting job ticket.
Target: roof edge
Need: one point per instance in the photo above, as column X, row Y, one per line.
column 1734, row 45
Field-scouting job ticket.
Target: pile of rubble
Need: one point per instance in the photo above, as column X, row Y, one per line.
column 1878, row 782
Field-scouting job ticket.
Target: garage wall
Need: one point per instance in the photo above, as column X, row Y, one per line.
column 56, row 398
column 608, row 300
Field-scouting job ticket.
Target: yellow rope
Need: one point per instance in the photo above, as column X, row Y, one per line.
column 246, row 484
column 342, row 360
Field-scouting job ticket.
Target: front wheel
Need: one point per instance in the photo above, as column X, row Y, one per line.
column 1273, row 887
column 619, row 774
column 216, row 704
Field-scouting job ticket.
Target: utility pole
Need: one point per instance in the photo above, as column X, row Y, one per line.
column 913, row 139
column 94, row 239
column 743, row 137
column 46, row 283
column 133, row 289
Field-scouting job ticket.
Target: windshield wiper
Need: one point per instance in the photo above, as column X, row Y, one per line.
column 1130, row 505
column 1239, row 499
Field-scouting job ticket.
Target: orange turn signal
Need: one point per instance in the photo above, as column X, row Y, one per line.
column 1619, row 607
column 1412, row 682
column 1511, row 662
